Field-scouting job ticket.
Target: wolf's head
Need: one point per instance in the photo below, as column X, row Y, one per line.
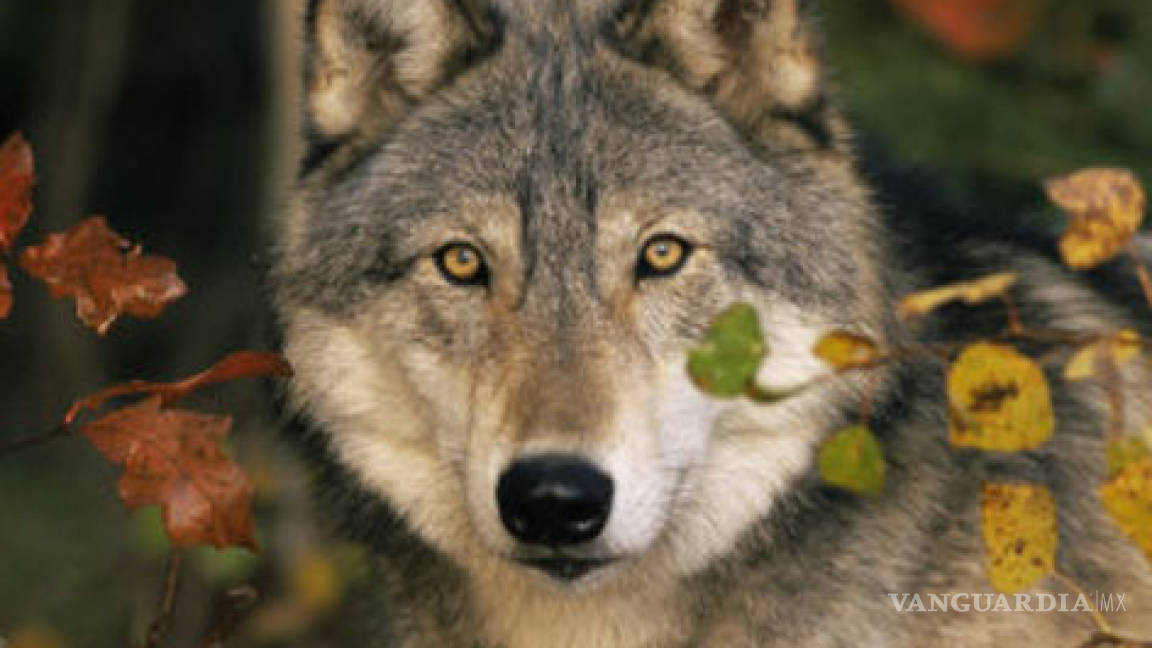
column 515, row 218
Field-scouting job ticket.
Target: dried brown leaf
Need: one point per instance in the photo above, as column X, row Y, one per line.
column 175, row 459
column 105, row 274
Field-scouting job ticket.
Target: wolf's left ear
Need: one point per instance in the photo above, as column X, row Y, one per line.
column 370, row 61
column 756, row 60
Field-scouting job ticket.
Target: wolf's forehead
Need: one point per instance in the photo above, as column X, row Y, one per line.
column 556, row 138
column 558, row 159
column 563, row 18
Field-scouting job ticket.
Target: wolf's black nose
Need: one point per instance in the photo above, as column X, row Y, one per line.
column 554, row 500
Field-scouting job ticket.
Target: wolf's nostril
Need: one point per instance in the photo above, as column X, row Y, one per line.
column 554, row 500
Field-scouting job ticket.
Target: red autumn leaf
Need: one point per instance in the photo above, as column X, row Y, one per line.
column 104, row 272
column 243, row 364
column 17, row 175
column 977, row 30
column 5, row 291
column 174, row 458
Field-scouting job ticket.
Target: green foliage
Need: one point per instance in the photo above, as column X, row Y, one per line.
column 852, row 459
column 725, row 363
column 1076, row 92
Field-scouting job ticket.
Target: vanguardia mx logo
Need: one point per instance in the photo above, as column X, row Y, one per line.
column 1104, row 602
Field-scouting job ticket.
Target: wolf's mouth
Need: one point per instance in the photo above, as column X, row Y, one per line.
column 565, row 568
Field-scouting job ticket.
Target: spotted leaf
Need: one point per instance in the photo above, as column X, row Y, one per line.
column 1019, row 529
column 998, row 400
column 1128, row 499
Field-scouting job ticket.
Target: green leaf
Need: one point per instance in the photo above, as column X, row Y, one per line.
column 725, row 363
column 852, row 460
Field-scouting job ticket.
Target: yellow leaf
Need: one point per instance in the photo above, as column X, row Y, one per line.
column 1019, row 528
column 845, row 350
column 1117, row 349
column 969, row 292
column 1105, row 207
column 1122, row 452
column 1128, row 499
column 33, row 636
column 998, row 400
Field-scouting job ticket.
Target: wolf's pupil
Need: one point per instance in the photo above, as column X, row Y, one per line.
column 461, row 264
column 662, row 256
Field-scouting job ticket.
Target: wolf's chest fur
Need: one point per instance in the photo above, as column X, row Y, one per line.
column 513, row 220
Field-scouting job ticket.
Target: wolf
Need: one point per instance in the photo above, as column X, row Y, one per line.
column 512, row 221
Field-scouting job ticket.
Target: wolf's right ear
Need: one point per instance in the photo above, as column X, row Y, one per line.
column 369, row 61
column 755, row 60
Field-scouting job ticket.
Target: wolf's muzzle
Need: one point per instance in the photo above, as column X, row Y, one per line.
column 554, row 500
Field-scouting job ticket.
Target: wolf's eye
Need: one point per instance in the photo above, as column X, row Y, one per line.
column 462, row 264
column 662, row 256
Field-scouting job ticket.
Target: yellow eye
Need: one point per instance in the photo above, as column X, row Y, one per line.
column 462, row 264
column 662, row 256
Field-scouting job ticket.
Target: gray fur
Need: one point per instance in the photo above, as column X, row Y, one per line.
column 543, row 122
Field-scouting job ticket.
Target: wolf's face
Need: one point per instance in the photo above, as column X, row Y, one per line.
column 516, row 222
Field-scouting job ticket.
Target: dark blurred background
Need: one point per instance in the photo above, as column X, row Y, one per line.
column 175, row 119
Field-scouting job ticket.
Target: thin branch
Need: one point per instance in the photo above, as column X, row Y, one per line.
column 9, row 446
column 868, row 405
column 1101, row 623
column 1141, row 274
column 1109, row 640
column 1015, row 324
column 158, row 631
column 1113, row 384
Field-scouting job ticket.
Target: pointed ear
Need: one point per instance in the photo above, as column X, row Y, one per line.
column 368, row 62
column 756, row 60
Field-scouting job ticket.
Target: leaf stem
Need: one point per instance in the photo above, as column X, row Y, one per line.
column 766, row 396
column 868, row 405
column 1142, row 274
column 1101, row 623
column 158, row 631
column 1015, row 324
column 1113, row 384
column 1109, row 640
